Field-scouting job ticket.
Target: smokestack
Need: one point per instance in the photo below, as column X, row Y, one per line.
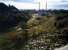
column 39, row 6
column 46, row 4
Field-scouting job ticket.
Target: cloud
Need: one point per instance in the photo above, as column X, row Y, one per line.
column 25, row 5
column 23, row 0
column 22, row 5
column 34, row 4
column 64, row 1
column 61, row 5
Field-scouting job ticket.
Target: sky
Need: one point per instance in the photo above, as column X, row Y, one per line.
column 34, row 4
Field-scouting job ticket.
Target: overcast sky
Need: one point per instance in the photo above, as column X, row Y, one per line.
column 33, row 4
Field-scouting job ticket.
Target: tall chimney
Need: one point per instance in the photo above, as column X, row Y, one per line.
column 46, row 4
column 39, row 6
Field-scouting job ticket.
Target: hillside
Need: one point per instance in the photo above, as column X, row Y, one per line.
column 28, row 30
